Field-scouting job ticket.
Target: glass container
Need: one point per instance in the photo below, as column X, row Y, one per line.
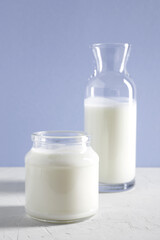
column 61, row 177
column 110, row 117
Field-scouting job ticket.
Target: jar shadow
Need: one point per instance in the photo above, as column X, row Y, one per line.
column 15, row 217
column 12, row 186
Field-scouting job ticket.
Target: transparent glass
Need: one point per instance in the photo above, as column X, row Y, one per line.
column 61, row 177
column 110, row 117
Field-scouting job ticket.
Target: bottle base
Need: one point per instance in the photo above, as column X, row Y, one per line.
column 111, row 188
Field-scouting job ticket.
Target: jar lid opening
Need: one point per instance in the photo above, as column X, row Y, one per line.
column 74, row 136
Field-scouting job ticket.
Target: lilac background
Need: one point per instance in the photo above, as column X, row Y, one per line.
column 45, row 63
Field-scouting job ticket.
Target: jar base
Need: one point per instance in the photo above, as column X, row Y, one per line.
column 111, row 188
column 58, row 221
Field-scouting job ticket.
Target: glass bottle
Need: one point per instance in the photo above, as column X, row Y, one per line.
column 61, row 177
column 110, row 117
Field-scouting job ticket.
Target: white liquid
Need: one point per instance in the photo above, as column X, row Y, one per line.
column 61, row 184
column 112, row 126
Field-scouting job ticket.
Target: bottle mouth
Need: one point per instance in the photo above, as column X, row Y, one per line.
column 111, row 57
column 109, row 45
column 60, row 137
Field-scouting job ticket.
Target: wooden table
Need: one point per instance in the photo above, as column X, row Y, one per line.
column 127, row 215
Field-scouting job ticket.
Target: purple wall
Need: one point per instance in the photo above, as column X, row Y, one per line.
column 45, row 63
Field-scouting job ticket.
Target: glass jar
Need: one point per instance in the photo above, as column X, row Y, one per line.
column 61, row 177
column 110, row 117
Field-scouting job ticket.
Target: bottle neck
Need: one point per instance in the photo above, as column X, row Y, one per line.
column 111, row 57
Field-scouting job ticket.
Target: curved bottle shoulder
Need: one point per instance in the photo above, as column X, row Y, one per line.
column 103, row 79
column 111, row 84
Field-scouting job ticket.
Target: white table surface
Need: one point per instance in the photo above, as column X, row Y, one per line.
column 127, row 215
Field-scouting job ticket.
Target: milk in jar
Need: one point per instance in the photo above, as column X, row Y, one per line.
column 61, row 177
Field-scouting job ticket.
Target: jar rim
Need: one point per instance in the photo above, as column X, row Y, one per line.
column 60, row 135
